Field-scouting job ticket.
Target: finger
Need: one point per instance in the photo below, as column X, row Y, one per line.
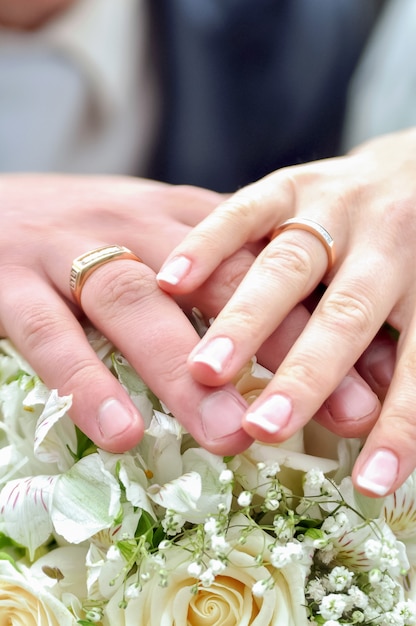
column 344, row 412
column 342, row 325
column 377, row 363
column 122, row 299
column 247, row 216
column 387, row 457
column 287, row 270
column 55, row 345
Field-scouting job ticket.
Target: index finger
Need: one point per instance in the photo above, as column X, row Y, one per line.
column 247, row 216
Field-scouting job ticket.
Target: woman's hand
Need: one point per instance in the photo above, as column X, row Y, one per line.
column 367, row 202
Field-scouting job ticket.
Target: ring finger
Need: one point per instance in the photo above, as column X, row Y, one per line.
column 122, row 299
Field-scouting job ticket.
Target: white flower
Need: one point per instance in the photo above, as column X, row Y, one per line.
column 244, row 499
column 25, row 600
column 228, row 599
column 282, row 555
column 226, row 477
column 194, row 569
column 339, row 579
column 332, row 606
column 197, row 493
column 55, row 433
column 359, row 599
column 76, row 504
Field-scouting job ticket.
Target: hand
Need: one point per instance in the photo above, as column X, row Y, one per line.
column 47, row 221
column 366, row 201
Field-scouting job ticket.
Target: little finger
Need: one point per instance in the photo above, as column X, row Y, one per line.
column 387, row 457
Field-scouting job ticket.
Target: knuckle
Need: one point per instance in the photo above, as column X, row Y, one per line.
column 241, row 206
column 173, row 371
column 226, row 278
column 39, row 327
column 79, row 373
column 400, row 224
column 304, row 369
column 351, row 313
column 289, row 257
column 122, row 288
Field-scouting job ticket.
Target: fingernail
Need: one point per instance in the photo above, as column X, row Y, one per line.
column 113, row 418
column 221, row 414
column 351, row 400
column 173, row 271
column 215, row 353
column 272, row 415
column 380, row 363
column 379, row 473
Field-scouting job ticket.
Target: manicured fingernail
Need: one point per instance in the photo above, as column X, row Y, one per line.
column 221, row 414
column 114, row 419
column 272, row 415
column 379, row 473
column 215, row 353
column 173, row 271
column 380, row 363
column 351, row 400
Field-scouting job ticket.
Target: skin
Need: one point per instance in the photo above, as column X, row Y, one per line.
column 366, row 200
column 47, row 221
column 29, row 14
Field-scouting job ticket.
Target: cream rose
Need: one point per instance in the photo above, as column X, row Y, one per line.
column 24, row 602
column 228, row 601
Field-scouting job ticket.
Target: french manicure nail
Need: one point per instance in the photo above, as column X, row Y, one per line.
column 351, row 400
column 221, row 414
column 272, row 415
column 379, row 473
column 215, row 353
column 113, row 418
column 173, row 271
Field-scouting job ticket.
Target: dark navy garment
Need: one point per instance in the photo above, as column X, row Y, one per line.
column 252, row 85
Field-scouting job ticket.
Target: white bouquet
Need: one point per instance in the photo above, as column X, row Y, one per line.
column 169, row 534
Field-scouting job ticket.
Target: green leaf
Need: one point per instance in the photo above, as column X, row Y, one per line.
column 6, row 557
column 315, row 533
column 145, row 525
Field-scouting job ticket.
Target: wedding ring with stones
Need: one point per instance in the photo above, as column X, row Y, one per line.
column 83, row 266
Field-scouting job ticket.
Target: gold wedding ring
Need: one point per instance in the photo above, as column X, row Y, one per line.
column 83, row 266
column 302, row 223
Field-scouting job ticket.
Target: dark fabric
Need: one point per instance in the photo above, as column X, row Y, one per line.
column 253, row 85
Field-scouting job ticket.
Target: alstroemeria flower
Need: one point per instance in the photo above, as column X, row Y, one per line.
column 55, row 432
column 36, row 425
column 197, row 493
column 76, row 504
column 131, row 476
column 160, row 448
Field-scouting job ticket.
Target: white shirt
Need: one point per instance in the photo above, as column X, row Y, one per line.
column 383, row 91
column 79, row 94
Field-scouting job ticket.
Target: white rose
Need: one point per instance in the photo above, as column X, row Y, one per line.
column 24, row 601
column 228, row 600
